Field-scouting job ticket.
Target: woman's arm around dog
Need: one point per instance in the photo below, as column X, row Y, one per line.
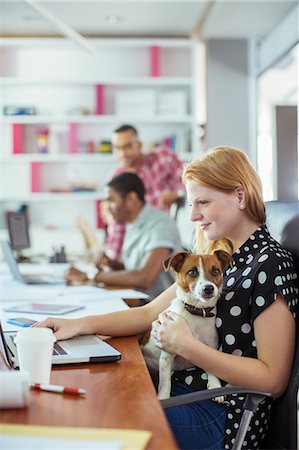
column 275, row 339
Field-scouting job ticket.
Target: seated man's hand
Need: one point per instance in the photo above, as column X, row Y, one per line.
column 105, row 262
column 75, row 276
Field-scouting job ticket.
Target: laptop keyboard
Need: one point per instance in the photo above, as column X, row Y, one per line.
column 57, row 350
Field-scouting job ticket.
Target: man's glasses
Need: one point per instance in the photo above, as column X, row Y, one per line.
column 127, row 146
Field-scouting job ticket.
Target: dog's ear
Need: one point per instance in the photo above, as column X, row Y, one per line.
column 224, row 258
column 175, row 261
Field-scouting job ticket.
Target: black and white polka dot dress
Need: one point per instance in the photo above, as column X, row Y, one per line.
column 260, row 271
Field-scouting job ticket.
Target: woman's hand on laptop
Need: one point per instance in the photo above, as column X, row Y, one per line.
column 62, row 328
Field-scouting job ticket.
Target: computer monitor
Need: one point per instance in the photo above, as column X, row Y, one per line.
column 17, row 225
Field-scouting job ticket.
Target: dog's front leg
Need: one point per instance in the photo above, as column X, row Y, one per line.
column 165, row 370
column 213, row 383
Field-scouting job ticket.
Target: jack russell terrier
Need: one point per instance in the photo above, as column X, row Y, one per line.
column 199, row 283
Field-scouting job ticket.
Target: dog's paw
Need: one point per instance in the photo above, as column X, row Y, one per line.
column 163, row 395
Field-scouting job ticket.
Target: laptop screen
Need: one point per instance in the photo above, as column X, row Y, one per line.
column 17, row 225
column 4, row 349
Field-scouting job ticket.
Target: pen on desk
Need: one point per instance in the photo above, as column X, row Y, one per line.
column 58, row 389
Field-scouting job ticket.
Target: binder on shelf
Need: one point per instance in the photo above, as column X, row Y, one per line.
column 17, row 138
column 35, row 176
column 100, row 99
column 73, row 138
column 155, row 61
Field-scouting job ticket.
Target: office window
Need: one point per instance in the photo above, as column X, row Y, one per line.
column 277, row 88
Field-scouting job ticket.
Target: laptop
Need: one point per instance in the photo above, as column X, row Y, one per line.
column 27, row 279
column 78, row 350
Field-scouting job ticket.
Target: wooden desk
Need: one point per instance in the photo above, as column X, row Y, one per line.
column 119, row 395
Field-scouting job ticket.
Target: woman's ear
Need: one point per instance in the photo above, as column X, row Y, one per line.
column 241, row 197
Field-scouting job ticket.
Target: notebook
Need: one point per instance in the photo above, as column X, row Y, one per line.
column 27, row 279
column 78, row 350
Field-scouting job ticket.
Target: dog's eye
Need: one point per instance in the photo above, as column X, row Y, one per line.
column 215, row 271
column 192, row 273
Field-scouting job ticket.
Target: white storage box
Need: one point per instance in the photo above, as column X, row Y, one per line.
column 173, row 103
column 135, row 102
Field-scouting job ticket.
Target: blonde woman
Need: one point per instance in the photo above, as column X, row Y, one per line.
column 255, row 313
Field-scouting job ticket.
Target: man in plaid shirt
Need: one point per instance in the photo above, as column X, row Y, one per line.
column 159, row 170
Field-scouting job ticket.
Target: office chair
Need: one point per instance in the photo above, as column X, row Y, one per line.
column 283, row 224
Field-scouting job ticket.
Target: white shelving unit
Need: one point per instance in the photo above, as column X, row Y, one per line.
column 80, row 98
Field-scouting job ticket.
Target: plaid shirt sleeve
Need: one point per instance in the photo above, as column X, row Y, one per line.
column 167, row 163
column 161, row 171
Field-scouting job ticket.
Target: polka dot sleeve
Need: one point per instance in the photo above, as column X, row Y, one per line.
column 275, row 275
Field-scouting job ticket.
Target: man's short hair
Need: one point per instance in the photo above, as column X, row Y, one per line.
column 126, row 127
column 128, row 182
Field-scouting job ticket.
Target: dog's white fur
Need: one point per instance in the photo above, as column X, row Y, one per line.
column 193, row 291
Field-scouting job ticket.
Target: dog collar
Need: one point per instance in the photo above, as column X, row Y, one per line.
column 203, row 312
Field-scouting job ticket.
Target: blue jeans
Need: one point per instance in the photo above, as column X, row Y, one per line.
column 199, row 425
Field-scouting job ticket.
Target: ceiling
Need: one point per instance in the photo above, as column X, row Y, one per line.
column 200, row 19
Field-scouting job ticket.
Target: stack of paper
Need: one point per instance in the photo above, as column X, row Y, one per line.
column 27, row 437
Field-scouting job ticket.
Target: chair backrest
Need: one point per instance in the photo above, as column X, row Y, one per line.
column 283, row 223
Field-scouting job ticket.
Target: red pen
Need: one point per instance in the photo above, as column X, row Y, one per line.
column 58, row 389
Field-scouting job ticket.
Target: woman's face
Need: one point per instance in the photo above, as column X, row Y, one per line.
column 218, row 214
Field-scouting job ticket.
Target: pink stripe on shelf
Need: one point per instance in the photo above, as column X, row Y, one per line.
column 155, row 54
column 73, row 138
column 17, row 131
column 35, row 177
column 100, row 99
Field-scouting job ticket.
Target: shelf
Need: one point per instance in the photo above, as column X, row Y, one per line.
column 99, row 42
column 125, row 81
column 49, row 196
column 74, row 157
column 122, row 81
column 94, row 119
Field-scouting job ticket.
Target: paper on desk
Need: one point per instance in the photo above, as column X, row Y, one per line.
column 128, row 439
column 9, row 442
column 13, row 291
column 91, row 292
column 128, row 293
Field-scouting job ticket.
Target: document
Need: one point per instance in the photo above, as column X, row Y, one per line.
column 9, row 442
column 91, row 292
column 29, row 437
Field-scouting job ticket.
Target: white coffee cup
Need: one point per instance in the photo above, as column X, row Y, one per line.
column 35, row 350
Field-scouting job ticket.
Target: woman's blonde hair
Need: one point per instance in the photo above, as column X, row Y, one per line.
column 226, row 169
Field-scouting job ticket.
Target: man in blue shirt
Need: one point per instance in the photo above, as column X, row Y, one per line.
column 151, row 236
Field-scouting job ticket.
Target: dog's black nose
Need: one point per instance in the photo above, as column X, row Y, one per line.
column 208, row 289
